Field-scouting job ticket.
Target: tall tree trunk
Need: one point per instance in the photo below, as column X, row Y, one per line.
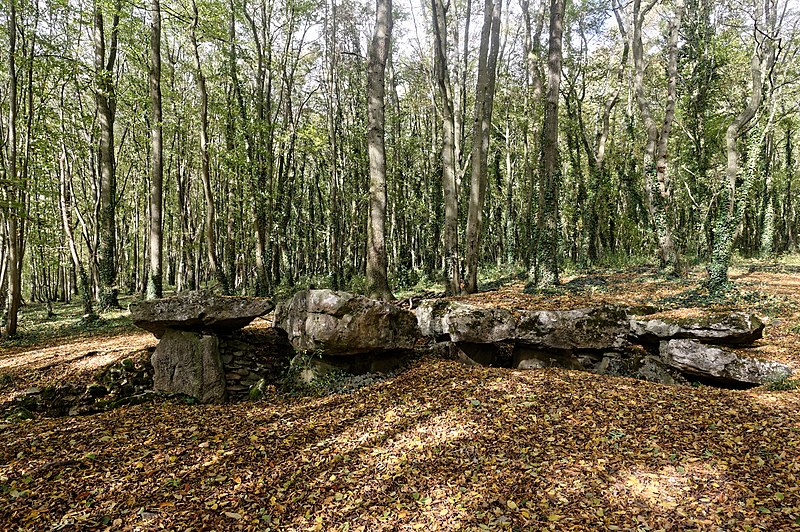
column 452, row 273
column 655, row 153
column 733, row 202
column 335, row 230
column 484, row 100
column 259, row 162
column 788, row 239
column 210, row 219
column 105, row 100
column 768, row 198
column 14, row 255
column 546, row 271
column 377, row 282
column 65, row 206
column 155, row 276
column 532, row 96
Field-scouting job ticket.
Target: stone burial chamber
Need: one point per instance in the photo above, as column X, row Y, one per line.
column 203, row 353
column 607, row 339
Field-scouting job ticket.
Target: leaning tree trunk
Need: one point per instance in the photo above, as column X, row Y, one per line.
column 210, row 220
column 547, row 224
column 484, row 100
column 155, row 276
column 452, row 273
column 377, row 283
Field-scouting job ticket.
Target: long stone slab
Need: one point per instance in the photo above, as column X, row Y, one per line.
column 199, row 312
column 714, row 363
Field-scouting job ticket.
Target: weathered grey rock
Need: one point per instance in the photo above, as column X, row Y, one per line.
column 654, row 369
column 198, row 311
column 693, row 358
column 461, row 322
column 564, row 330
column 736, row 328
column 342, row 324
column 598, row 328
column 189, row 363
column 528, row 357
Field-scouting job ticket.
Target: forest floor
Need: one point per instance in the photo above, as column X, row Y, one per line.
column 441, row 446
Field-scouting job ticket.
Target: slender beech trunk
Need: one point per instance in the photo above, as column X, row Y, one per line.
column 332, row 105
column 256, row 159
column 733, row 202
column 377, row 282
column 450, row 191
column 532, row 96
column 14, row 256
column 655, row 153
column 789, row 242
column 546, row 270
column 210, row 220
column 155, row 276
column 65, row 206
column 484, row 100
column 105, row 100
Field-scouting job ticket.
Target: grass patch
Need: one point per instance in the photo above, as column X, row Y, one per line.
column 36, row 327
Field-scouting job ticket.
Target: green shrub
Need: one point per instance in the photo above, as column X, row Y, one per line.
column 784, row 384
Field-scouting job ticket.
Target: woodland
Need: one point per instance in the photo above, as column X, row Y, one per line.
column 255, row 148
column 523, row 155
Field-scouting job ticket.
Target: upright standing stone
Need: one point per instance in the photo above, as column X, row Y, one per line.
column 189, row 363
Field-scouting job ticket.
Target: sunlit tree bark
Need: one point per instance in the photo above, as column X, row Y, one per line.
column 377, row 278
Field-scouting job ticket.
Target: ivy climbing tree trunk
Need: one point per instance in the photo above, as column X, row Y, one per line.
column 377, row 282
column 656, row 174
column 155, row 277
column 484, row 101
column 733, row 202
column 105, row 100
column 547, row 223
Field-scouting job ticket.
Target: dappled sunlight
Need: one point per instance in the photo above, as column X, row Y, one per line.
column 36, row 359
column 780, row 402
column 672, row 490
column 441, row 446
column 75, row 361
column 96, row 362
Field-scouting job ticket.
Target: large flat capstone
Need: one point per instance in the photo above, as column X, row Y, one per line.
column 199, row 312
column 564, row 330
